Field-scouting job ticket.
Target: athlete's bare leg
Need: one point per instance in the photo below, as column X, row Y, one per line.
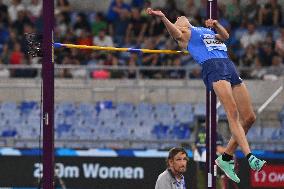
column 224, row 92
column 245, row 109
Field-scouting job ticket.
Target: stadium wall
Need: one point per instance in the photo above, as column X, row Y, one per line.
column 154, row 91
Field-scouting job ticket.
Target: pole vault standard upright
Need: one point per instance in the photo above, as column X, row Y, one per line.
column 211, row 118
column 48, row 95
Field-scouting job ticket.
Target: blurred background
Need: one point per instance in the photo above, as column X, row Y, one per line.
column 117, row 114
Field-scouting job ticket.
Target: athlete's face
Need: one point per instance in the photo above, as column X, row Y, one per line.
column 182, row 21
column 178, row 163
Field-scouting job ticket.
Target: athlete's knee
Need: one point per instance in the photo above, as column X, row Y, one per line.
column 248, row 120
column 233, row 114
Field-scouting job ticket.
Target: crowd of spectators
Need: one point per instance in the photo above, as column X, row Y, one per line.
column 256, row 43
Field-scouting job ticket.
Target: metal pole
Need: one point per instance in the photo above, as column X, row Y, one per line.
column 48, row 95
column 211, row 118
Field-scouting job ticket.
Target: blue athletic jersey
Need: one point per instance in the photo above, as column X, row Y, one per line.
column 203, row 45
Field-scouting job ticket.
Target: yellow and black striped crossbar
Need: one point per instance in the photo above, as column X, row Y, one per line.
column 99, row 48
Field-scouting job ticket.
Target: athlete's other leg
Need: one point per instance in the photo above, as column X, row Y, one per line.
column 228, row 97
column 245, row 109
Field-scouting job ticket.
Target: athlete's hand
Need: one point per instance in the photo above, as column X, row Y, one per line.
column 210, row 23
column 154, row 12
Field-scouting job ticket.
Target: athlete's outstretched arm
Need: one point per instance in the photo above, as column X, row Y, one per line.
column 222, row 33
column 172, row 29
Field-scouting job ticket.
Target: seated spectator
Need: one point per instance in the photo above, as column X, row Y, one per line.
column 23, row 19
column 137, row 3
column 156, row 29
column 81, row 23
column 118, row 29
column 4, row 19
column 5, row 55
column 115, row 73
column 61, row 25
column 136, row 29
column 69, row 59
column 190, row 5
column 99, row 23
column 251, row 11
column 172, row 10
column 16, row 58
column 276, row 69
column 4, row 35
column 14, row 8
column 248, row 61
column 34, row 9
column 62, row 6
column 132, row 66
column 116, row 9
column 266, row 54
column 17, row 55
column 251, row 36
column 4, row 73
column 150, row 60
column 176, row 73
column 146, row 4
column 249, row 58
column 103, row 39
column 92, row 59
column 13, row 39
column 233, row 13
column 258, row 70
column 3, row 7
column 202, row 11
column 195, row 72
column 85, row 38
column 270, row 14
column 279, row 44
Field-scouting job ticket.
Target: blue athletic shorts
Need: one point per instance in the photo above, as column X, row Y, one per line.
column 219, row 69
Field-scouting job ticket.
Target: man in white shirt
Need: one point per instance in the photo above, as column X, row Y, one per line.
column 103, row 40
column 15, row 7
column 35, row 8
column 251, row 37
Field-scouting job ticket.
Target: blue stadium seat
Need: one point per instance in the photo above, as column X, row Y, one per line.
column 183, row 107
column 124, row 106
column 161, row 131
column 181, row 131
column 108, row 104
column 163, row 108
column 8, row 106
column 106, row 114
column 200, row 110
column 254, row 133
column 9, row 133
column 144, row 107
column 267, row 133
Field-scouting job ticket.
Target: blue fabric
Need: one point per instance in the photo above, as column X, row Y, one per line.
column 219, row 69
column 203, row 45
column 112, row 15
